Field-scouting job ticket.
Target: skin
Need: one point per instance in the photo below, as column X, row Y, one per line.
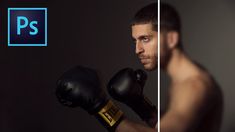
column 195, row 100
column 146, row 44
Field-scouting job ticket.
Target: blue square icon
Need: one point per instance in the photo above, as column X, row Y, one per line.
column 27, row 26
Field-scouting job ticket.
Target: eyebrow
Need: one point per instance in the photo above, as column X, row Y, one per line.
column 143, row 36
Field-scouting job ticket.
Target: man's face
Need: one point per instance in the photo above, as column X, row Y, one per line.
column 146, row 46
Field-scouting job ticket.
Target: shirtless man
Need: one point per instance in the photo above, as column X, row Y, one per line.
column 196, row 101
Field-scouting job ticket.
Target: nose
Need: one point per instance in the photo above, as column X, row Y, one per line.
column 139, row 48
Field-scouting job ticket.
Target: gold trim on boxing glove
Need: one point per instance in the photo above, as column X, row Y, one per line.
column 110, row 113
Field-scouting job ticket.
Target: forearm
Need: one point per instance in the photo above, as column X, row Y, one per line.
column 152, row 121
column 146, row 110
column 172, row 122
column 130, row 126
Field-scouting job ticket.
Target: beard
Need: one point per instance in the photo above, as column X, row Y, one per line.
column 164, row 59
column 149, row 62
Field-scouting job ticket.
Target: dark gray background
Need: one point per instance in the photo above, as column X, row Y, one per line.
column 209, row 38
column 85, row 32
column 97, row 34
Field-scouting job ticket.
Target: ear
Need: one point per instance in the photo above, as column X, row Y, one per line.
column 172, row 39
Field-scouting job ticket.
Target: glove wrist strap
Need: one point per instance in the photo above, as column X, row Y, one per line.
column 110, row 116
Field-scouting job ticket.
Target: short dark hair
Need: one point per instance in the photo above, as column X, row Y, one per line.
column 169, row 17
column 147, row 14
column 170, row 20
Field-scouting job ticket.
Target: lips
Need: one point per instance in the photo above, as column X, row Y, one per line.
column 143, row 57
column 144, row 61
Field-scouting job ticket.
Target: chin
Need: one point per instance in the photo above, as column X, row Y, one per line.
column 150, row 67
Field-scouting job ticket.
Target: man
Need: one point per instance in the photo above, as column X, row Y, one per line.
column 196, row 102
column 195, row 99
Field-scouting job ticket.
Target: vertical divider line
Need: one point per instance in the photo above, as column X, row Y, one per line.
column 158, row 67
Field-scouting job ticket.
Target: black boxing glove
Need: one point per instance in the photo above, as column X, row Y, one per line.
column 81, row 86
column 127, row 87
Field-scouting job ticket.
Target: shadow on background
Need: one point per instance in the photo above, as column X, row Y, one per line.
column 90, row 33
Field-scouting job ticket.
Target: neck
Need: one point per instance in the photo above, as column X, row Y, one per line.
column 179, row 66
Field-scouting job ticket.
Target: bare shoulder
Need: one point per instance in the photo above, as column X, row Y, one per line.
column 199, row 83
column 199, row 89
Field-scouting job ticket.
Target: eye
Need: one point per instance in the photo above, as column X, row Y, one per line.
column 145, row 40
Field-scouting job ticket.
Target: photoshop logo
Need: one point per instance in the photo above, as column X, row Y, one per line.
column 27, row 26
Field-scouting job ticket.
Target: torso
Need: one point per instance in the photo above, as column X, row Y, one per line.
column 210, row 121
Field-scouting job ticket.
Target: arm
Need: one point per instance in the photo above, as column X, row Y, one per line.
column 188, row 103
column 127, row 87
column 130, row 126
